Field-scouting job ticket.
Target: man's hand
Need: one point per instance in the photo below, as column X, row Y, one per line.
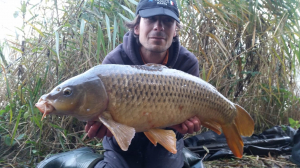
column 97, row 129
column 189, row 126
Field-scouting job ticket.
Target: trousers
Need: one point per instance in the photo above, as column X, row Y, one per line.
column 141, row 154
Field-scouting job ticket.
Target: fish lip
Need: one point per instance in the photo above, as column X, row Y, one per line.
column 45, row 107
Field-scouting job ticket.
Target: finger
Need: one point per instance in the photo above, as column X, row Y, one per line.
column 176, row 127
column 88, row 126
column 197, row 124
column 190, row 126
column 92, row 132
column 179, row 128
column 101, row 131
column 183, row 129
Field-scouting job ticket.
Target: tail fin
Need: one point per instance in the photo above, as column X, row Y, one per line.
column 233, row 139
column 243, row 125
column 244, row 122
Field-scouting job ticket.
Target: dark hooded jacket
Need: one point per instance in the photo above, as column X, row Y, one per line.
column 128, row 53
column 141, row 152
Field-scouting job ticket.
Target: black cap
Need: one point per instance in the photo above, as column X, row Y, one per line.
column 148, row 8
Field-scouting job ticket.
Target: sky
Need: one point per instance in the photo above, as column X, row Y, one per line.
column 7, row 20
column 8, row 23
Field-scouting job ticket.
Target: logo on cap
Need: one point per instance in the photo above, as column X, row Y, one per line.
column 162, row 2
column 172, row 3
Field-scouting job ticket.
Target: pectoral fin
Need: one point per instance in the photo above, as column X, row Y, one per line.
column 122, row 133
column 166, row 138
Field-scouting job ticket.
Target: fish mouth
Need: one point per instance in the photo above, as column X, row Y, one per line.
column 45, row 107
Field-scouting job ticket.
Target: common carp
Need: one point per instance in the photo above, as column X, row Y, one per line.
column 147, row 98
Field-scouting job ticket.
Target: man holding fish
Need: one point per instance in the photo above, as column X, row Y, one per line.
column 129, row 104
column 152, row 38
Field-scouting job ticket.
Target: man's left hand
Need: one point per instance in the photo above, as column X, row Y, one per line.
column 189, row 126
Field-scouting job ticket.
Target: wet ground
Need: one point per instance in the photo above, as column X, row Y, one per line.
column 252, row 161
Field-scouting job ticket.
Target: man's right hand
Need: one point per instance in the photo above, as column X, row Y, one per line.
column 97, row 129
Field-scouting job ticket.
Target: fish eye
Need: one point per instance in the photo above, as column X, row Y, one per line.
column 67, row 91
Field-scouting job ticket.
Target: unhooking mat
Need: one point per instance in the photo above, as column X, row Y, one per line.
column 276, row 141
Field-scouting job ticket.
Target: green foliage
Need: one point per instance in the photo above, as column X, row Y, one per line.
column 294, row 124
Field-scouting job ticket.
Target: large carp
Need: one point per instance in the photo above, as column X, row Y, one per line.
column 145, row 98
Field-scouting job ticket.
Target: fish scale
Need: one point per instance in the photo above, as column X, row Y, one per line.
column 145, row 98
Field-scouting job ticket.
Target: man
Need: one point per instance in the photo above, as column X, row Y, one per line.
column 152, row 39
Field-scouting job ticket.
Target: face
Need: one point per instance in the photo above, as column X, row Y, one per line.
column 156, row 33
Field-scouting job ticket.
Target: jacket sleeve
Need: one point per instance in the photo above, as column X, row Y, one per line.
column 187, row 62
column 107, row 61
column 117, row 56
column 112, row 57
